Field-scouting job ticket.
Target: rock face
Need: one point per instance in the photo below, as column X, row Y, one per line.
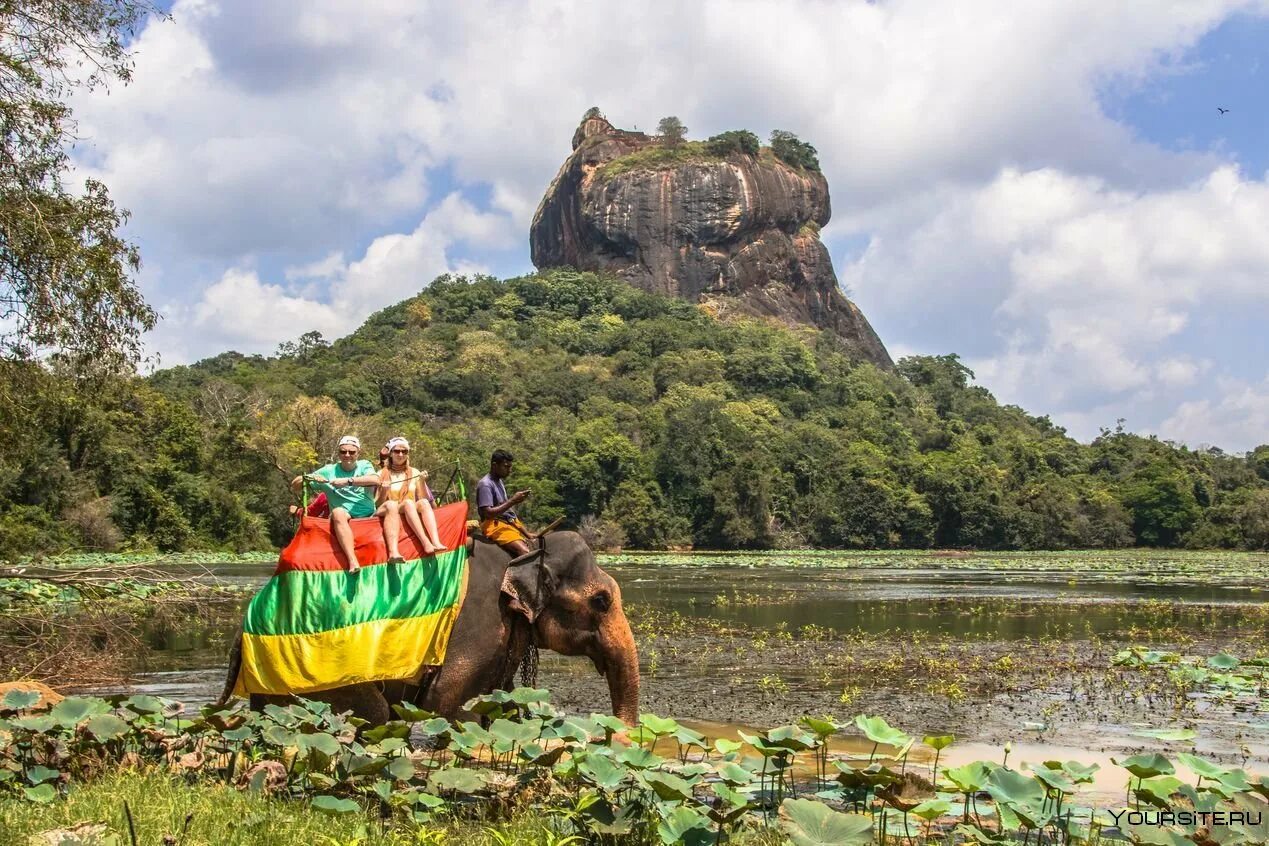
column 738, row 234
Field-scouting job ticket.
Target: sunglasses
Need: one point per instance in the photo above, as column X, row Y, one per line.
column 400, row 452
column 348, row 452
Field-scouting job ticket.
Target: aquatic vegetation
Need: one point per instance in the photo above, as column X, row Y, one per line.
column 419, row 773
column 1221, row 677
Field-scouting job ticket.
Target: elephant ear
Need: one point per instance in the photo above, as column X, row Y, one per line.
column 528, row 584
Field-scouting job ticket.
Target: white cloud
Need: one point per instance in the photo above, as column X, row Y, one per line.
column 323, row 268
column 1240, row 416
column 354, row 155
column 242, row 312
column 1082, row 292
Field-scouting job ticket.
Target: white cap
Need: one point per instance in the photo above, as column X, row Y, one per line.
column 350, row 439
column 398, row 441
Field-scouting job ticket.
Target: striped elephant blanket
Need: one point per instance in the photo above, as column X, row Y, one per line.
column 314, row 626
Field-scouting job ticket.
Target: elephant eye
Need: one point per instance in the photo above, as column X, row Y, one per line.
column 601, row 601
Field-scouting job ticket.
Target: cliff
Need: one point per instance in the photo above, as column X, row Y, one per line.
column 735, row 232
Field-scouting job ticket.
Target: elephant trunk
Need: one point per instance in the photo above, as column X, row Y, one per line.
column 621, row 666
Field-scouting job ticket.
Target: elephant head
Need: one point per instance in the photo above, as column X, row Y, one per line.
column 575, row 608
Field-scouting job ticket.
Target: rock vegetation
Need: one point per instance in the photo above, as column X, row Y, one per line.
column 709, row 222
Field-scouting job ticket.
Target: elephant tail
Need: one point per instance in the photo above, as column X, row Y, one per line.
column 231, row 675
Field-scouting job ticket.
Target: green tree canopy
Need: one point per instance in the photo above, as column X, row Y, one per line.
column 66, row 275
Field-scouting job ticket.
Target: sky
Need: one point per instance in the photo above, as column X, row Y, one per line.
column 1045, row 188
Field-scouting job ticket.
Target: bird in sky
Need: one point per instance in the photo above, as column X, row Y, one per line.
column 1222, row 111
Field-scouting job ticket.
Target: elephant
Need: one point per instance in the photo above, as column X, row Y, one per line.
column 555, row 597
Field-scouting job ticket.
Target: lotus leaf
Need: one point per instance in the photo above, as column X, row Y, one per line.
column 334, row 805
column 73, row 710
column 761, row 746
column 932, row 809
column 1157, row 790
column 1056, row 779
column 410, row 713
column 976, row 834
column 1199, row 767
column 321, row 781
column 323, row 743
column 726, row 747
column 685, row 826
column 601, row 772
column 41, row 794
column 1079, row 773
column 105, row 727
column 1017, row 792
column 940, row 741
column 458, row 779
column 733, row 773
column 39, row 774
column 1146, row 766
column 659, row 726
column 401, row 768
column 1222, row 661
column 820, row 728
column 810, row 823
column 540, row 756
column 238, row 734
column 1154, row 835
column 732, row 804
column 604, row 818
column 878, row 730
column 870, row 777
column 279, row 736
column 790, row 737
column 360, row 765
column 20, row 700
column 969, row 778
column 513, row 732
column 666, row 785
column 687, row 737
column 639, row 758
column 610, row 724
column 1256, row 827
column 36, row 723
column 571, row 729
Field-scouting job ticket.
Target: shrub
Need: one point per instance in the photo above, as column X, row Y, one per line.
column 601, row 535
column 29, row 530
column 733, row 141
column 793, row 151
column 91, row 521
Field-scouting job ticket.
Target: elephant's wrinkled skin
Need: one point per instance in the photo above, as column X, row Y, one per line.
column 560, row 600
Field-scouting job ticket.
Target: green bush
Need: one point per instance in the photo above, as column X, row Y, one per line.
column 733, row 141
column 28, row 530
column 792, row 151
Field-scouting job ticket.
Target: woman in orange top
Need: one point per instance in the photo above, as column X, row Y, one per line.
column 403, row 488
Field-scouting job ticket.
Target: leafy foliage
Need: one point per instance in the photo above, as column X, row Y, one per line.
column 793, row 151
column 659, row 423
column 733, row 141
column 571, row 770
column 671, row 130
column 66, row 274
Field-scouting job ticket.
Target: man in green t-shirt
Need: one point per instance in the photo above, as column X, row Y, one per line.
column 347, row 486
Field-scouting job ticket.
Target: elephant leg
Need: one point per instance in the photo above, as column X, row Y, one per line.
column 364, row 700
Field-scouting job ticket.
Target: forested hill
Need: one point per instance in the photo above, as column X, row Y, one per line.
column 643, row 418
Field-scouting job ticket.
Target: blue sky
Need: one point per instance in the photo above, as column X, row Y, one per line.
column 1045, row 188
